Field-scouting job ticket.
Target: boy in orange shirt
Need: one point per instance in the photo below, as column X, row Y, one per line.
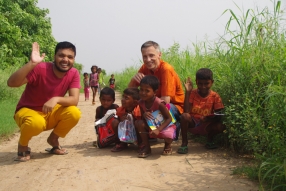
column 129, row 104
column 200, row 105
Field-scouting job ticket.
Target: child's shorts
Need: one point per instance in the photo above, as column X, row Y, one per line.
column 168, row 132
column 112, row 86
column 200, row 128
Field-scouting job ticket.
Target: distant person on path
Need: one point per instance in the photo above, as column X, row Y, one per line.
column 107, row 99
column 43, row 104
column 112, row 81
column 86, row 86
column 150, row 103
column 93, row 82
column 200, row 107
column 170, row 90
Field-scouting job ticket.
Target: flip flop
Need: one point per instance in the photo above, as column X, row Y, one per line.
column 119, row 147
column 211, row 145
column 183, row 150
column 52, row 150
column 22, row 156
column 167, row 152
column 144, row 152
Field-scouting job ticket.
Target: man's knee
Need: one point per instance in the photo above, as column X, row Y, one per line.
column 74, row 113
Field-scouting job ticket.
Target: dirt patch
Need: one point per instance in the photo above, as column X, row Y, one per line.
column 90, row 168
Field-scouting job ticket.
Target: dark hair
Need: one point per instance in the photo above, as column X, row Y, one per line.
column 94, row 66
column 107, row 91
column 112, row 75
column 151, row 81
column 204, row 74
column 85, row 74
column 98, row 69
column 133, row 92
column 65, row 45
column 151, row 43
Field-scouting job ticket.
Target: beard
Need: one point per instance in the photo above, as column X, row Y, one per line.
column 60, row 69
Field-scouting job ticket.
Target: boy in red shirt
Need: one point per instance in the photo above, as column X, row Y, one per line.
column 129, row 103
column 200, row 105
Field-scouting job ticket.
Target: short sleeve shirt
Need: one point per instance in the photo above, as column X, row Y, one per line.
column 43, row 84
column 170, row 84
column 204, row 106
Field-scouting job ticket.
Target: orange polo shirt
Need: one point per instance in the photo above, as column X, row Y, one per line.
column 170, row 84
column 120, row 111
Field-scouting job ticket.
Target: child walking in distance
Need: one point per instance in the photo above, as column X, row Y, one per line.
column 200, row 106
column 129, row 103
column 86, row 86
column 149, row 103
column 112, row 81
column 107, row 99
column 93, row 81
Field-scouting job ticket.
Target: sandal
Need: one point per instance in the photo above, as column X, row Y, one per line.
column 167, row 151
column 23, row 156
column 211, row 145
column 144, row 151
column 183, row 150
column 119, row 147
column 54, row 150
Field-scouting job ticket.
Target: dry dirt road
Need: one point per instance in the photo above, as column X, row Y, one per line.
column 90, row 168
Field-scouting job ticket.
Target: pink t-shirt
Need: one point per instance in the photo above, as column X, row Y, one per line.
column 93, row 79
column 43, row 84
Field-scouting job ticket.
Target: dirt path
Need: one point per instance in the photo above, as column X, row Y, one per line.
column 90, row 168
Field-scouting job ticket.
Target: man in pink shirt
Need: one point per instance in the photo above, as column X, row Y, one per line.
column 43, row 104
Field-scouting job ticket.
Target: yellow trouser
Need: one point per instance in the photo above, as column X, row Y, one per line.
column 62, row 119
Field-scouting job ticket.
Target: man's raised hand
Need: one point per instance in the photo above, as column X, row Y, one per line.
column 35, row 55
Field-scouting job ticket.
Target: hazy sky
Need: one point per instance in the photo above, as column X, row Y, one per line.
column 109, row 33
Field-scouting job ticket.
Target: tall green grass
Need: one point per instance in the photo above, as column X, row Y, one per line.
column 249, row 64
column 8, row 101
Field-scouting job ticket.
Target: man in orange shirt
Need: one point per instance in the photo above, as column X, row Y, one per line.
column 170, row 90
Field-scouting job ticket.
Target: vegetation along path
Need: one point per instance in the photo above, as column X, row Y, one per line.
column 90, row 168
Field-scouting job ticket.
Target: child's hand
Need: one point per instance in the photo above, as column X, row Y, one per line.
column 188, row 84
column 123, row 117
column 155, row 132
column 148, row 116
